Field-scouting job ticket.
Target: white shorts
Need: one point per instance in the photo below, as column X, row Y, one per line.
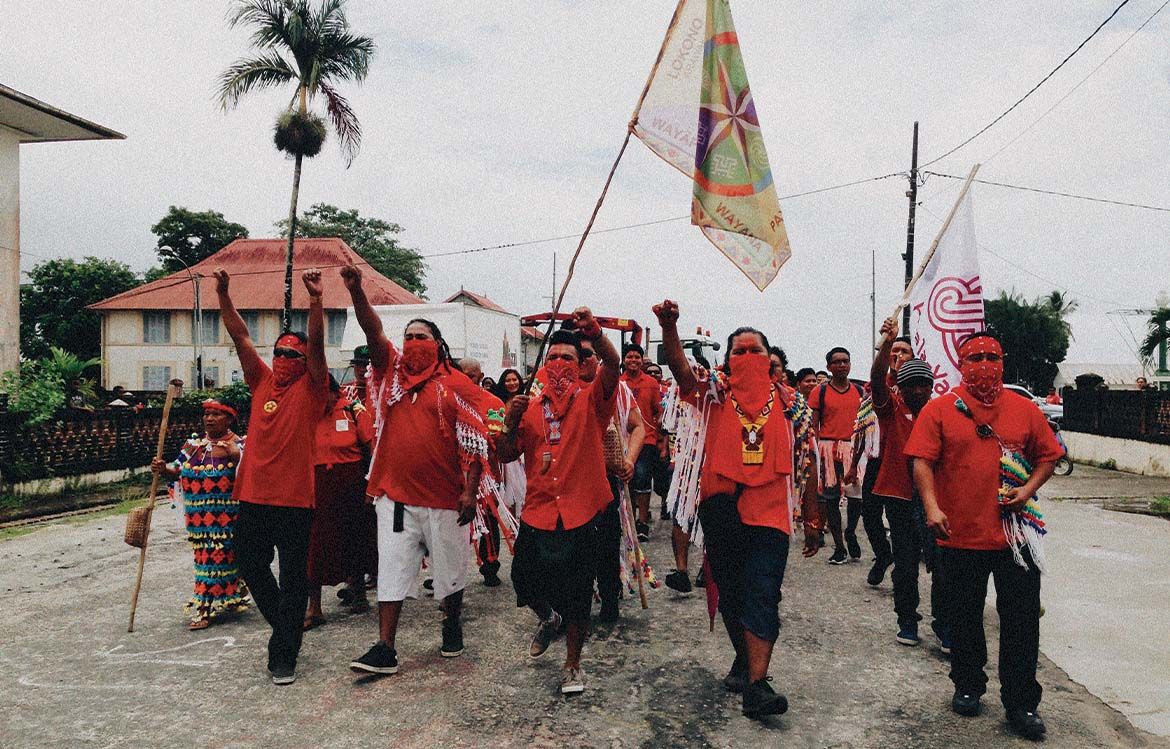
column 426, row 531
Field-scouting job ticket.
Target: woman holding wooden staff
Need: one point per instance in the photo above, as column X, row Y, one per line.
column 206, row 472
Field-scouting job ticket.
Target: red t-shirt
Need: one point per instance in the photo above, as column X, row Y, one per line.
column 838, row 414
column 416, row 457
column 895, row 423
column 966, row 466
column 343, row 432
column 648, row 396
column 574, row 487
column 277, row 467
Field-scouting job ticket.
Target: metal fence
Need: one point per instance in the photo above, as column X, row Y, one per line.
column 1129, row 414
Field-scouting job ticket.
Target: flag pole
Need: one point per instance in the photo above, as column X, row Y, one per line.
column 601, row 198
column 934, row 245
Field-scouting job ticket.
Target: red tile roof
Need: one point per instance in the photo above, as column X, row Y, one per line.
column 528, row 331
column 257, row 270
column 478, row 299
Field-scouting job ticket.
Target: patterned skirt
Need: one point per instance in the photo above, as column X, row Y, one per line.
column 211, row 519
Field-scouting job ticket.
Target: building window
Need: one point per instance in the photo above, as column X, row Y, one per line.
column 156, row 327
column 339, row 373
column 155, row 378
column 252, row 320
column 300, row 320
column 334, row 327
column 210, row 327
column 210, row 377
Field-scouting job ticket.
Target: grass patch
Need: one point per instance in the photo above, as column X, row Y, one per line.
column 1108, row 465
column 1160, row 506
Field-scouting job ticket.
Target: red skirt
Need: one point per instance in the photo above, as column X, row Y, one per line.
column 343, row 539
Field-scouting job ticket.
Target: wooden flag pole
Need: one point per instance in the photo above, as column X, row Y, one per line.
column 145, row 517
column 601, row 199
column 934, row 245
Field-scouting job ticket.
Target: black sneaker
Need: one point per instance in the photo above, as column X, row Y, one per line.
column 491, row 580
column 545, row 634
column 966, row 704
column 283, row 676
column 680, row 581
column 760, row 700
column 608, row 613
column 701, row 579
column 737, row 678
column 663, row 513
column 452, row 646
column 380, row 659
column 1027, row 724
column 643, row 530
column 838, row 557
column 877, row 573
column 854, row 547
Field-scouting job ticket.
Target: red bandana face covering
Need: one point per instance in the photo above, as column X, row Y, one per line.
column 287, row 371
column 751, row 381
column 420, row 359
column 561, row 381
column 983, row 379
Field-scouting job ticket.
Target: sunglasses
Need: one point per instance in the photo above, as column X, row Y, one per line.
column 588, row 353
column 286, row 353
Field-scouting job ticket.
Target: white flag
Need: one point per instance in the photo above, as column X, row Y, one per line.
column 946, row 305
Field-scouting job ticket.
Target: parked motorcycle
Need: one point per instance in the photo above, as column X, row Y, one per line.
column 1064, row 465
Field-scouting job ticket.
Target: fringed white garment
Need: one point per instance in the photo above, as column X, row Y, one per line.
column 690, row 429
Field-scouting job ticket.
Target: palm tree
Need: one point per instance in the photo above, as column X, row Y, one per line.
column 311, row 46
column 1157, row 334
column 1061, row 306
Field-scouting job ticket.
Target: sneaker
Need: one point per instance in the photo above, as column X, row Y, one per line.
column 572, row 680
column 877, row 573
column 346, row 594
column 380, row 659
column 452, row 646
column 700, row 580
column 966, row 704
column 643, row 530
column 663, row 513
column 854, row 548
column 679, row 580
column 1027, row 724
column 944, row 637
column 760, row 700
column 491, row 580
column 608, row 613
column 908, row 635
column 545, row 634
column 737, row 678
column 838, row 557
column 359, row 603
column 283, row 676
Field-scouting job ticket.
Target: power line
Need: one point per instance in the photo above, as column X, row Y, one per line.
column 1032, row 90
column 1058, row 193
column 1072, row 90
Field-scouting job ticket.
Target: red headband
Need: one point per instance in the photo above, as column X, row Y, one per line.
column 210, row 405
column 980, row 345
column 290, row 341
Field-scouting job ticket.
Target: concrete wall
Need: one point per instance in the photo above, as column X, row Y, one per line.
column 125, row 354
column 1146, row 458
column 9, row 250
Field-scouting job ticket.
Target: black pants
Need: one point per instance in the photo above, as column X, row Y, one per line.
column 913, row 543
column 871, row 513
column 609, row 549
column 1017, row 601
column 261, row 530
column 489, row 546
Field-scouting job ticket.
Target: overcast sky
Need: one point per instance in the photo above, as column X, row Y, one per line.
column 489, row 123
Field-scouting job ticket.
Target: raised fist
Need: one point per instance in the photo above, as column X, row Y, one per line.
column 352, row 276
column 312, row 279
column 667, row 313
column 221, row 280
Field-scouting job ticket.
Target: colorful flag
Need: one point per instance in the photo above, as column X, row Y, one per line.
column 946, row 305
column 699, row 116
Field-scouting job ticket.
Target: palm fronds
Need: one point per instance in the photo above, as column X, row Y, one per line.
column 1157, row 333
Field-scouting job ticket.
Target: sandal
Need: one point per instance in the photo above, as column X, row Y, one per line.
column 198, row 624
column 312, row 622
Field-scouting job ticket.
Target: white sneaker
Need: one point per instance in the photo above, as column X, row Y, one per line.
column 572, row 681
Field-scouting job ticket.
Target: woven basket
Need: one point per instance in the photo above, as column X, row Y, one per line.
column 137, row 527
column 611, row 446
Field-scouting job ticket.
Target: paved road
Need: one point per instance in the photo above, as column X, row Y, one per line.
column 70, row 675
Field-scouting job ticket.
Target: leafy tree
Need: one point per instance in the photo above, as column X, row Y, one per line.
column 1035, row 336
column 192, row 236
column 371, row 238
column 41, row 388
column 309, row 45
column 52, row 304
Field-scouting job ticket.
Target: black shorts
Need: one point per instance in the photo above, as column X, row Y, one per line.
column 555, row 567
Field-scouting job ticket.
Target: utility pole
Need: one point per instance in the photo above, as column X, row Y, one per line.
column 912, row 194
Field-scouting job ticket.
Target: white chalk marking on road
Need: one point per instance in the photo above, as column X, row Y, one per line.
column 150, row 656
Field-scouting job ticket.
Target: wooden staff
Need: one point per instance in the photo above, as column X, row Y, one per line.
column 140, row 517
column 639, row 562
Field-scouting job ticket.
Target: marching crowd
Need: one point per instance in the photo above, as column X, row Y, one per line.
column 421, row 464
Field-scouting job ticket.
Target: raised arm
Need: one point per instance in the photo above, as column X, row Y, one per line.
column 367, row 318
column 881, row 364
column 676, row 359
column 318, row 368
column 250, row 360
column 611, row 362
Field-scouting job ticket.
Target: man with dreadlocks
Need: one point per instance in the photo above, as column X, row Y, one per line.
column 429, row 455
column 756, row 453
column 561, row 440
column 274, row 483
column 980, row 455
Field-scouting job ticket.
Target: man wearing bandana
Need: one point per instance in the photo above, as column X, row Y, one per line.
column 275, row 484
column 430, row 451
column 560, row 433
column 757, row 443
column 957, row 445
